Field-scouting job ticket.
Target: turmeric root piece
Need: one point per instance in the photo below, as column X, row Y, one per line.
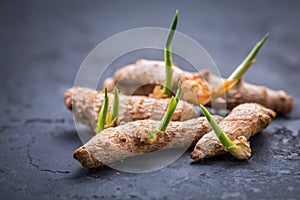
column 244, row 92
column 140, row 79
column 86, row 103
column 132, row 138
column 243, row 122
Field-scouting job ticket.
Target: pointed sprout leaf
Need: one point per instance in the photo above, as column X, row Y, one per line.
column 249, row 60
column 102, row 113
column 239, row 71
column 172, row 30
column 116, row 107
column 179, row 92
column 239, row 148
column 168, row 57
column 170, row 110
column 168, row 115
column 221, row 135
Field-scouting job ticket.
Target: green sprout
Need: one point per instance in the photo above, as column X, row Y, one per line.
column 162, row 127
column 102, row 113
column 151, row 135
column 221, row 135
column 115, row 109
column 170, row 110
column 238, row 73
column 249, row 60
column 179, row 92
column 168, row 58
column 239, row 149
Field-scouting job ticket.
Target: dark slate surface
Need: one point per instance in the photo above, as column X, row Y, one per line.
column 42, row 46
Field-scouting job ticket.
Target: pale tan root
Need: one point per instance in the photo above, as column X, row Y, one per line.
column 133, row 138
column 141, row 77
column 244, row 120
column 86, row 103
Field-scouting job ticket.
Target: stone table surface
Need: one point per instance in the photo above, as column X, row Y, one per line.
column 42, row 46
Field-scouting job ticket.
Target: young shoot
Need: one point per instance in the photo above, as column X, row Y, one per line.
column 167, row 117
column 240, row 70
column 168, row 58
column 115, row 109
column 238, row 148
column 170, row 110
column 249, row 60
column 103, row 113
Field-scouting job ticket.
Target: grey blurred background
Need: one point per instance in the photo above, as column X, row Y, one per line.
column 42, row 46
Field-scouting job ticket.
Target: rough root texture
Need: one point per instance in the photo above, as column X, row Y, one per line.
column 133, row 138
column 244, row 120
column 86, row 103
column 141, row 77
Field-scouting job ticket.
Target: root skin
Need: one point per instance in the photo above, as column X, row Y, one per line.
column 244, row 120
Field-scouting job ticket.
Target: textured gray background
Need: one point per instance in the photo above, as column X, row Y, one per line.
column 44, row 42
